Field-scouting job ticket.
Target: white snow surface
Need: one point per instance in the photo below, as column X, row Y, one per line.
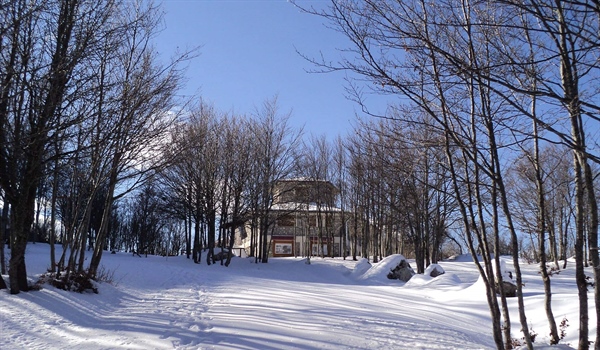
column 172, row 303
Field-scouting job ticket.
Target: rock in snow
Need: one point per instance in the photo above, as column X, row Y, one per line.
column 434, row 270
column 402, row 271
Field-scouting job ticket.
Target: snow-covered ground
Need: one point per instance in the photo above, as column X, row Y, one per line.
column 170, row 302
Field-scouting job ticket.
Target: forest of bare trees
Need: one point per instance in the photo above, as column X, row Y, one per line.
column 85, row 102
column 487, row 151
column 501, row 87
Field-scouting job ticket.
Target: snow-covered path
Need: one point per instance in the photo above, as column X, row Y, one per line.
column 171, row 303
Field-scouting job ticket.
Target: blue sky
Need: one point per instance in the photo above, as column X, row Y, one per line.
column 249, row 55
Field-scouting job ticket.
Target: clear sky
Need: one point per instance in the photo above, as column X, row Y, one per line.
column 249, row 55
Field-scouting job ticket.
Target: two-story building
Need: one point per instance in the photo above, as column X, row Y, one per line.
column 306, row 220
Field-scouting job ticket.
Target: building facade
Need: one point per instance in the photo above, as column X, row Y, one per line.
column 304, row 220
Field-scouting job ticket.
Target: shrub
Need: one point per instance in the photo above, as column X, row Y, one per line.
column 77, row 282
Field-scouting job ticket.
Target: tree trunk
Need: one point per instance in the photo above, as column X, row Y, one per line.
column 211, row 222
column 553, row 244
column 469, row 225
column 542, row 219
column 355, row 236
column 197, row 223
column 106, row 215
column 84, row 228
column 593, row 243
column 580, row 277
column 21, row 220
column 515, row 249
column 230, row 247
column 264, row 249
column 197, row 241
column 53, row 213
column 253, row 237
column 3, row 222
column 188, row 234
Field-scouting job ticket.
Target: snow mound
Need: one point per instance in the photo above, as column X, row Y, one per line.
column 460, row 258
column 478, row 290
column 362, row 266
column 547, row 347
column 379, row 271
column 506, row 273
column 419, row 280
column 465, row 258
column 449, row 281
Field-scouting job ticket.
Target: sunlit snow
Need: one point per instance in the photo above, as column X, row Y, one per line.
column 172, row 303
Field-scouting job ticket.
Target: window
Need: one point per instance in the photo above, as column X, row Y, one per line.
column 302, row 194
column 286, row 221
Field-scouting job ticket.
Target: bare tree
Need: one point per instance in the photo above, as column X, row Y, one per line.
column 239, row 152
column 44, row 47
column 193, row 177
column 562, row 46
column 315, row 165
column 408, row 49
column 276, row 147
column 407, row 189
column 340, row 179
column 141, row 113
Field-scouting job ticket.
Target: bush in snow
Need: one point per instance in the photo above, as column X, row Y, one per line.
column 76, row 282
